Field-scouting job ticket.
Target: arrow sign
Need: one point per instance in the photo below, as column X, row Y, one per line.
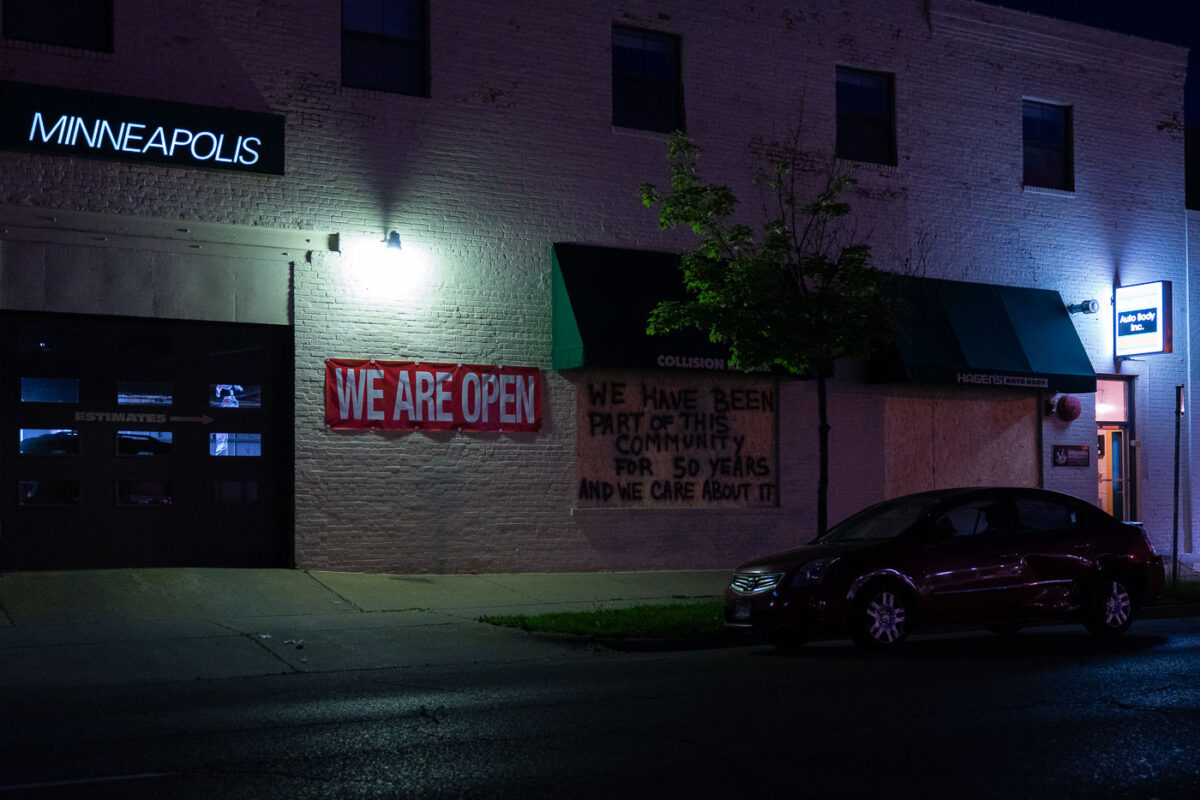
column 203, row 419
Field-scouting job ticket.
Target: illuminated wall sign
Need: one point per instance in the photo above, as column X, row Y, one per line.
column 44, row 119
column 1142, row 323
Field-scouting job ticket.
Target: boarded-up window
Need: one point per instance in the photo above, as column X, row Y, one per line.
column 658, row 440
column 960, row 438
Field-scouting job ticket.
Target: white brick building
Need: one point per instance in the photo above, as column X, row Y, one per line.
column 142, row 278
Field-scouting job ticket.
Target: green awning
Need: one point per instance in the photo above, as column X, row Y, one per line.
column 983, row 334
column 601, row 299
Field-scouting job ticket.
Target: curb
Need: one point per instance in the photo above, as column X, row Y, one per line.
column 1168, row 611
column 741, row 638
column 633, row 644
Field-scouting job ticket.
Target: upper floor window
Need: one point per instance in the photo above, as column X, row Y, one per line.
column 1048, row 154
column 85, row 24
column 866, row 116
column 385, row 45
column 647, row 92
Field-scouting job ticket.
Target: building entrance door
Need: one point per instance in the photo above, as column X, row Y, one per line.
column 141, row 442
column 1114, row 448
column 1112, row 460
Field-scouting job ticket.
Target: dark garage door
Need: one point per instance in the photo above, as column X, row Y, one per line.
column 135, row 442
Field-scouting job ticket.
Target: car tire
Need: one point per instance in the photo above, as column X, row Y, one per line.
column 883, row 614
column 1108, row 607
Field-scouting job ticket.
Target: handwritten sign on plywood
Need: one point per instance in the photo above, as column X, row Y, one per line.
column 653, row 440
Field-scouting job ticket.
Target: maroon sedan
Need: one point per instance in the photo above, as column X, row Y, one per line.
column 993, row 558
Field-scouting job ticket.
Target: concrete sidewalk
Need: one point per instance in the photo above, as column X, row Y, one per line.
column 146, row 626
column 107, row 627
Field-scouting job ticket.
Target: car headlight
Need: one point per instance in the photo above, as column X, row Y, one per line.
column 811, row 573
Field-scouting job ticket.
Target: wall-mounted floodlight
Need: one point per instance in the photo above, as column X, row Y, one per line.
column 1084, row 307
column 383, row 271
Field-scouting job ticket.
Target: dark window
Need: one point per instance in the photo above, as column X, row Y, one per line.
column 385, row 45
column 1090, row 518
column 1037, row 514
column 49, row 390
column 866, row 125
column 145, row 492
column 1047, row 135
column 138, row 342
column 48, row 492
column 234, row 492
column 144, row 443
column 646, row 91
column 50, row 337
column 973, row 519
column 86, row 24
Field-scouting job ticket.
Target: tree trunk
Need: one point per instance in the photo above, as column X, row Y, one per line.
column 822, row 452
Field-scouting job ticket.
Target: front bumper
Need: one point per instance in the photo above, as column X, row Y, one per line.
column 807, row 610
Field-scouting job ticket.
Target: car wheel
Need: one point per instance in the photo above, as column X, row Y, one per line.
column 1108, row 609
column 882, row 617
column 1005, row 628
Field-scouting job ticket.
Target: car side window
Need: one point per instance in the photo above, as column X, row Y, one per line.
column 972, row 519
column 1036, row 514
column 1090, row 517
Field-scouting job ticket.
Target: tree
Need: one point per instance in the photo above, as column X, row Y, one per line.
column 795, row 296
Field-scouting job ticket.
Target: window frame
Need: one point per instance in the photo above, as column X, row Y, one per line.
column 1043, row 176
column 630, row 91
column 849, row 122
column 362, row 39
column 99, row 41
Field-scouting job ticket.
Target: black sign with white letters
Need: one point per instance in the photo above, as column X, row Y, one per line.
column 45, row 119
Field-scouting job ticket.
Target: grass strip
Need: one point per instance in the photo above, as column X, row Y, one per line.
column 672, row 621
column 688, row 621
column 1181, row 592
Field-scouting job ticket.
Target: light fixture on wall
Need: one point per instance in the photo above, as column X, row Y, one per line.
column 1084, row 307
column 383, row 270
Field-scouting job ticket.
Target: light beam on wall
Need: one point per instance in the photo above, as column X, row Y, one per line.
column 385, row 272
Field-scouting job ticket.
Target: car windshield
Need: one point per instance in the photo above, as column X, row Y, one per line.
column 882, row 521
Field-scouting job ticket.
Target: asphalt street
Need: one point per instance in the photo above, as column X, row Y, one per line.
column 1050, row 712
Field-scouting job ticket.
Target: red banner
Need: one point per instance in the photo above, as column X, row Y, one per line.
column 414, row 395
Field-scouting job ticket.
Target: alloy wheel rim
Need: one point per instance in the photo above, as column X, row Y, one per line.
column 887, row 617
column 1116, row 606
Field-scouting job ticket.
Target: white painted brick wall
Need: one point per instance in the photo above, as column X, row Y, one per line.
column 515, row 150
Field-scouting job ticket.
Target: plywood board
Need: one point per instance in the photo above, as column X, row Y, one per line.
column 960, row 439
column 670, row 440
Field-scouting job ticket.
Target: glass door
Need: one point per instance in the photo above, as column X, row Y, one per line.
column 1113, row 437
column 1113, row 456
